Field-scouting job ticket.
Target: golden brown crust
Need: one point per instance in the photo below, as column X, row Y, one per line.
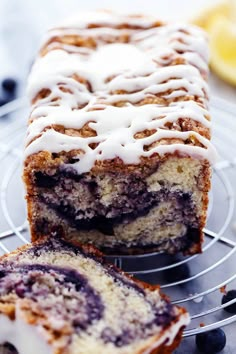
column 164, row 349
column 72, row 40
column 90, row 42
column 79, row 40
column 45, row 160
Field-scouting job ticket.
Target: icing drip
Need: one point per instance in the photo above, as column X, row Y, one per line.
column 22, row 335
column 106, row 18
column 84, row 86
column 116, row 137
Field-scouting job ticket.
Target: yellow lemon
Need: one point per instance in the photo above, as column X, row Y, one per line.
column 220, row 23
column 208, row 15
column 223, row 48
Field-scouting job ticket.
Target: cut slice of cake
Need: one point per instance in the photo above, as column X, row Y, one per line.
column 58, row 299
column 117, row 151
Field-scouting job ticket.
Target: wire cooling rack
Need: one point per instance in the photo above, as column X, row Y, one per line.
column 207, row 274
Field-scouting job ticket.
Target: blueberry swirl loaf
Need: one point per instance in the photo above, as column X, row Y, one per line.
column 58, row 299
column 118, row 149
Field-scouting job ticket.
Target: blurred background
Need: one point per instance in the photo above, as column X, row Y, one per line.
column 23, row 23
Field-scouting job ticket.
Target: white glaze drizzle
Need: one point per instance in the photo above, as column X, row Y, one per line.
column 116, row 136
column 27, row 339
column 107, row 19
column 139, row 69
column 156, row 117
column 163, row 41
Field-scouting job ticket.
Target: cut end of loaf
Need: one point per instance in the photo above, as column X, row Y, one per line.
column 118, row 147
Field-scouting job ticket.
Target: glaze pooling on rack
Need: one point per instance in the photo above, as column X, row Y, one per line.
column 107, row 85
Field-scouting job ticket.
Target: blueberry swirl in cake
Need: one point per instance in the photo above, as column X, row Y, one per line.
column 118, row 149
column 66, row 300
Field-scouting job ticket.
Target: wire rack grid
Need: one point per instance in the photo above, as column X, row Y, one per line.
column 208, row 273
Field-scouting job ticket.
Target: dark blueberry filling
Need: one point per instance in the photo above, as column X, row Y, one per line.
column 177, row 244
column 104, row 223
column 80, row 308
column 2, row 274
column 45, row 181
column 134, row 201
column 119, row 340
column 173, row 245
column 193, row 238
column 119, row 278
column 93, row 188
column 100, row 223
column 58, row 244
column 163, row 317
column 23, row 282
column 182, row 243
column 55, row 244
column 36, row 281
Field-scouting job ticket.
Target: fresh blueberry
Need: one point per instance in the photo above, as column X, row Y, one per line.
column 230, row 295
column 3, row 101
column 9, row 85
column 211, row 342
column 177, row 273
column 9, row 349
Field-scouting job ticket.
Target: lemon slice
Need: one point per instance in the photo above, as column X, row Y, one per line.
column 208, row 15
column 223, row 48
column 220, row 23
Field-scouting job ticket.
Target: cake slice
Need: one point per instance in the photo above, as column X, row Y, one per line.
column 118, row 149
column 58, row 299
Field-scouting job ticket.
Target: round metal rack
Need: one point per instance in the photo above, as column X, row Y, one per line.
column 209, row 272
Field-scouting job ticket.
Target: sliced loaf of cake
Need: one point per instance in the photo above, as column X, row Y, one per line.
column 59, row 299
column 118, row 149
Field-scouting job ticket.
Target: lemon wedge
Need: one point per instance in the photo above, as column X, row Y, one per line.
column 208, row 15
column 223, row 48
column 220, row 23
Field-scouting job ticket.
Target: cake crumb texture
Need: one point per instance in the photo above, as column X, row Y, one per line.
column 118, row 149
column 62, row 299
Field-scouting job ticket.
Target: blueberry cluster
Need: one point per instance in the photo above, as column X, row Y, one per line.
column 8, row 90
